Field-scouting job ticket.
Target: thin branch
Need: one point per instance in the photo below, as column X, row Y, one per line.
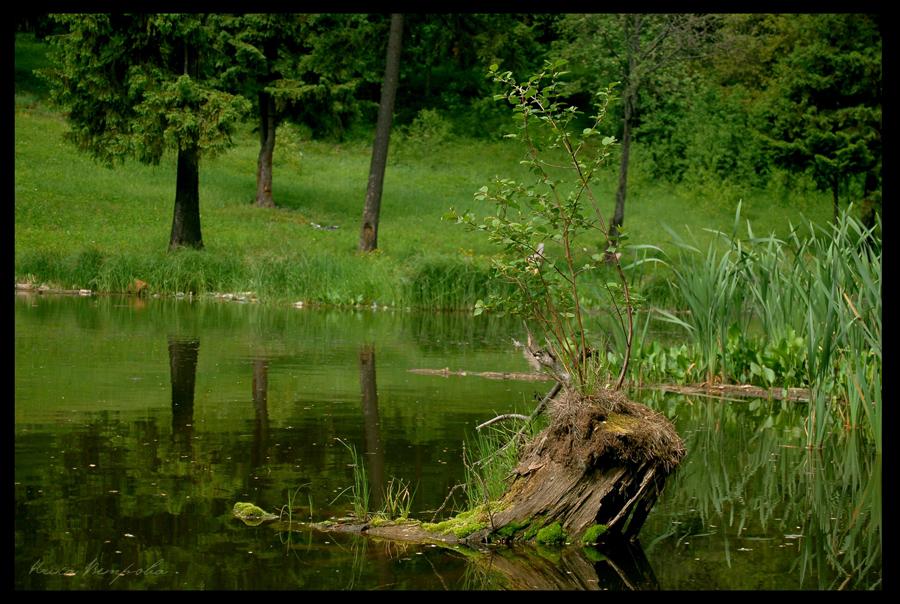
column 450, row 494
column 534, row 414
column 501, row 418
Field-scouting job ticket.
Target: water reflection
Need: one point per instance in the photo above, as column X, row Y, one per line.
column 374, row 451
column 183, row 354
column 260, row 412
column 751, row 504
column 617, row 567
column 131, row 448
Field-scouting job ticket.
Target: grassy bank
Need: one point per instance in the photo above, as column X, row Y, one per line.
column 81, row 225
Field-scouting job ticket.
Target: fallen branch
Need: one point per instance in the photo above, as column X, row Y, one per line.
column 491, row 375
column 501, row 418
column 450, row 494
column 537, row 411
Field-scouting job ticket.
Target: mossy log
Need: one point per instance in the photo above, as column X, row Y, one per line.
column 603, row 460
column 598, row 468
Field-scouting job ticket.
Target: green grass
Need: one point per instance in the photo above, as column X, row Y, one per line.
column 81, row 225
column 359, row 490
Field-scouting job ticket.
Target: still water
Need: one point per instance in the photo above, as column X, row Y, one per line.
column 139, row 424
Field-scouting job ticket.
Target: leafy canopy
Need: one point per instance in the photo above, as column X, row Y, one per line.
column 131, row 89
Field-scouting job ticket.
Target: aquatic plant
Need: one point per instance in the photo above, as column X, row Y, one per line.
column 397, row 500
column 815, row 299
column 359, row 490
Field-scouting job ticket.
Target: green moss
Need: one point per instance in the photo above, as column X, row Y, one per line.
column 551, row 535
column 594, row 533
column 242, row 509
column 509, row 531
column 250, row 514
column 380, row 520
column 537, row 522
column 461, row 525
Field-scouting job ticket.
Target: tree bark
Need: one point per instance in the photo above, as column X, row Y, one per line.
column 622, row 190
column 629, row 101
column 368, row 237
column 267, row 124
column 602, row 460
column 186, row 219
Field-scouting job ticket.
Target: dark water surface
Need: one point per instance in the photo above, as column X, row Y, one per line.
column 139, row 424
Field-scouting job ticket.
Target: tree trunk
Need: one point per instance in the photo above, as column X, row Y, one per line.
column 373, row 447
column 622, row 189
column 602, row 460
column 186, row 219
column 267, row 125
column 629, row 100
column 368, row 237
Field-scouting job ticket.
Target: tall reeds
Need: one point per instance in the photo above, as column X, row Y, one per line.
column 821, row 284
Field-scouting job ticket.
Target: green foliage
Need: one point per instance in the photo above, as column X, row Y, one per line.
column 708, row 286
column 31, row 55
column 422, row 137
column 766, row 361
column 823, row 113
column 122, row 81
column 444, row 55
column 303, row 62
column 290, row 139
column 442, row 283
column 541, row 226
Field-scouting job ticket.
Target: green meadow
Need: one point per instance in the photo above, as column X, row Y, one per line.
column 79, row 224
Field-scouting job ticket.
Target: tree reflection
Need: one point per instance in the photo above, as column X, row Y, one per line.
column 261, row 410
column 373, row 447
column 183, row 354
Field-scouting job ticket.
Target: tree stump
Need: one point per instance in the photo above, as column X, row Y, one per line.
column 603, row 460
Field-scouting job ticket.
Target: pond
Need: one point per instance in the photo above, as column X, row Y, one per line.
column 139, row 423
